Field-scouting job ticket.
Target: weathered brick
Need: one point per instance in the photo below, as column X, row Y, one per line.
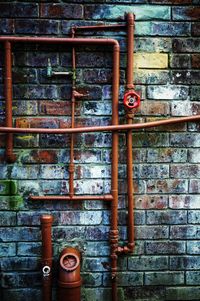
column 6, row 26
column 193, row 247
column 151, row 202
column 29, row 249
column 165, row 247
column 180, row 61
column 194, row 186
column 7, row 219
column 185, row 77
column 149, row 293
column 153, row 171
column 21, row 293
column 167, row 155
column 155, row 232
column 195, row 61
column 185, row 140
column 164, row 278
column 19, row 264
column 23, row 10
column 126, row 279
column 92, row 279
column 186, row 45
column 178, row 127
column 194, row 216
column 193, row 278
column 7, row 249
column 152, row 44
column 185, row 232
column 184, row 262
column 150, row 139
column 10, row 280
column 185, row 13
column 167, row 186
column 25, row 108
column 29, row 26
column 184, row 202
column 142, row 12
column 152, row 77
column 183, row 293
column 195, row 29
column 185, row 109
column 184, row 171
column 167, row 92
column 155, row 108
column 167, row 217
column 148, row 263
column 55, row 10
column 19, row 234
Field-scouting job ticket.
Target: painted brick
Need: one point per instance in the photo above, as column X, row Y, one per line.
column 195, row 61
column 162, row 29
column 19, row 234
column 7, row 249
column 184, row 202
column 186, row 45
column 185, row 77
column 30, row 294
column 183, row 293
column 165, row 247
column 154, row 171
column 193, row 278
column 167, row 186
column 7, row 219
column 150, row 293
column 60, row 11
column 165, row 155
column 150, row 139
column 152, row 77
column 25, row 108
column 167, row 92
column 6, row 26
column 142, row 12
column 29, row 249
column 92, row 279
column 151, row 60
column 181, row 127
column 184, row 232
column 167, row 217
column 193, row 247
column 164, row 278
column 186, row 13
column 148, row 263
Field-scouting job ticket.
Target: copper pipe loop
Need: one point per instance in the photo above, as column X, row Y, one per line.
column 108, row 128
column 47, row 253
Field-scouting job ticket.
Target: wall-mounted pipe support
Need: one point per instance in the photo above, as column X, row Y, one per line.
column 47, row 253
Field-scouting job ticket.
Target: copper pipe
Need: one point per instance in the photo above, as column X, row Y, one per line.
column 108, row 128
column 130, row 50
column 46, row 224
column 107, row 197
column 10, row 157
column 100, row 27
column 69, row 279
column 71, row 163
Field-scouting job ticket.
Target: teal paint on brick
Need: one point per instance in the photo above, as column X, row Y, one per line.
column 142, row 12
column 7, row 249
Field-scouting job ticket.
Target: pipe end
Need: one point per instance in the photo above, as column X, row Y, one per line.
column 46, row 219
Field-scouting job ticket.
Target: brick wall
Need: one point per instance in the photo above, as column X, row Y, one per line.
column 166, row 261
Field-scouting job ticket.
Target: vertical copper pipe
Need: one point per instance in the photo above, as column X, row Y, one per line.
column 130, row 49
column 10, row 157
column 47, row 252
column 114, row 174
column 71, row 164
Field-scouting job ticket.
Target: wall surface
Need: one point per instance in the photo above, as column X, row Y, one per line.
column 166, row 261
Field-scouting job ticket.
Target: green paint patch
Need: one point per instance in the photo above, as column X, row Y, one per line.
column 9, row 199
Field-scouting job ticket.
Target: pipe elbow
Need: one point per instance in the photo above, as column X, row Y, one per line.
column 130, row 18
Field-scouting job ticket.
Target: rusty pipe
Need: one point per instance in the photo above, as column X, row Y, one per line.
column 46, row 224
column 69, row 279
column 10, row 157
column 99, row 27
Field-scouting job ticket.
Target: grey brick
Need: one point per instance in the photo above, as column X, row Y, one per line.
column 165, row 247
column 167, row 217
column 164, row 278
column 146, row 263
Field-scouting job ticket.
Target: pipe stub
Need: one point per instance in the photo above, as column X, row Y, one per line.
column 69, row 262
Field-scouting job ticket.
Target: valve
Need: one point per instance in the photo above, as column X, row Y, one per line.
column 131, row 100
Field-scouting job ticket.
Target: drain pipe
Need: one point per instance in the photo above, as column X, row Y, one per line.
column 69, row 279
column 46, row 224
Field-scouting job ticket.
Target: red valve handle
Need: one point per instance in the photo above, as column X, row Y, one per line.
column 131, row 100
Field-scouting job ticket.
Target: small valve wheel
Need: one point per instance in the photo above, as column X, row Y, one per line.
column 131, row 100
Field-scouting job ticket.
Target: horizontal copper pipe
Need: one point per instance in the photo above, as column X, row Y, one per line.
column 100, row 27
column 73, row 41
column 107, row 197
column 108, row 128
